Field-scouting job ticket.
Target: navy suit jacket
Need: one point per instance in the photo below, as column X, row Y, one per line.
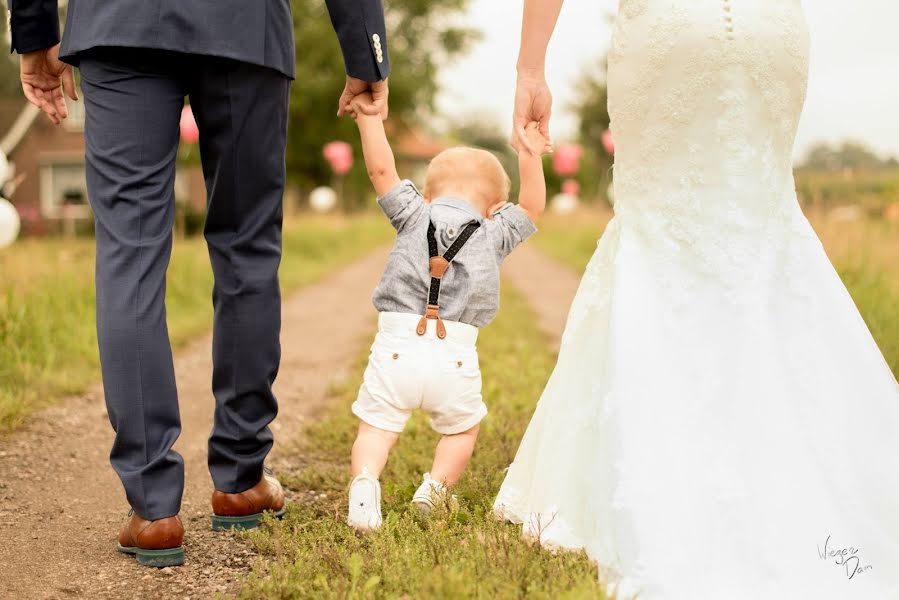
column 254, row 31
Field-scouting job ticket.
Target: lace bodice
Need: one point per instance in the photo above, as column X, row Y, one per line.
column 705, row 98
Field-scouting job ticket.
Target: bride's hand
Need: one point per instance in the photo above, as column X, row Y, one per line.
column 533, row 102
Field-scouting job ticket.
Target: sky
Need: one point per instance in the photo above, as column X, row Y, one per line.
column 853, row 82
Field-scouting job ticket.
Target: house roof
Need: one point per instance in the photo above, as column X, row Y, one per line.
column 18, row 117
column 414, row 142
column 9, row 112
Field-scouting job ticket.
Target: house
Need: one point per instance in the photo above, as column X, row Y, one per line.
column 46, row 166
column 47, row 184
column 414, row 149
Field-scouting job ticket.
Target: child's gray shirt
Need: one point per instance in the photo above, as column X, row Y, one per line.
column 469, row 291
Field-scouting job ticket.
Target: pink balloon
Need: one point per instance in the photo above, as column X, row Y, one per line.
column 567, row 159
column 190, row 133
column 339, row 155
column 571, row 187
column 608, row 143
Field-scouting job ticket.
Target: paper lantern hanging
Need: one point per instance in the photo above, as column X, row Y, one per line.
column 567, row 159
column 190, row 132
column 339, row 155
column 571, row 188
column 608, row 143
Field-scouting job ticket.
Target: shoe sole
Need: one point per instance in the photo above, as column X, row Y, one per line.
column 365, row 528
column 170, row 557
column 221, row 523
column 424, row 506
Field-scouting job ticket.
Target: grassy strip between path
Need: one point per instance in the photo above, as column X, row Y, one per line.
column 467, row 554
column 865, row 253
column 48, row 341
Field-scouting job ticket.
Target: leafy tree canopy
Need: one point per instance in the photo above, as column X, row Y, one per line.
column 848, row 155
column 422, row 37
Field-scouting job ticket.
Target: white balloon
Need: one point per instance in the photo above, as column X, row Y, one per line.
column 563, row 204
column 323, row 199
column 9, row 223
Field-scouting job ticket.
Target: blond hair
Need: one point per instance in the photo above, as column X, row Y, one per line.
column 473, row 169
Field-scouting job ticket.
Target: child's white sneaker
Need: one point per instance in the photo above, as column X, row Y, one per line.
column 364, row 512
column 431, row 494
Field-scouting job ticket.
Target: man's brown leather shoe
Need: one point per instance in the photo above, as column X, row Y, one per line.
column 154, row 543
column 244, row 510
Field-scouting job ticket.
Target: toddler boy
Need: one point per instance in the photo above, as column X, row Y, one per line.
column 440, row 285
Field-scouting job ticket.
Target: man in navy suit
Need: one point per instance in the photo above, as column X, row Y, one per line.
column 234, row 60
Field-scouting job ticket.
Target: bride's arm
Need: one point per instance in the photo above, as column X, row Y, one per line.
column 533, row 100
column 537, row 27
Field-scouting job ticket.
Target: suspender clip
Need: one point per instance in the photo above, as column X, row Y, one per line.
column 438, row 266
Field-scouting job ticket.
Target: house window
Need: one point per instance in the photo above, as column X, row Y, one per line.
column 75, row 120
column 64, row 191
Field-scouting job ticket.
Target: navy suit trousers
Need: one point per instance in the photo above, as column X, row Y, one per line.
column 133, row 100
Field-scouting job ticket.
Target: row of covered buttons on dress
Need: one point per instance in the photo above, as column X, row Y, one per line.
column 728, row 19
column 379, row 52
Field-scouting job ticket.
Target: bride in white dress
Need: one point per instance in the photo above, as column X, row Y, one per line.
column 721, row 424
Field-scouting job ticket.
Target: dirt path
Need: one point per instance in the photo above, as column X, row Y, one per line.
column 61, row 504
column 548, row 285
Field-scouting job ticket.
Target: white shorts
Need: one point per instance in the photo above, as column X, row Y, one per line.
column 407, row 371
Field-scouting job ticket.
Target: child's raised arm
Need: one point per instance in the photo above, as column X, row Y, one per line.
column 376, row 149
column 532, row 197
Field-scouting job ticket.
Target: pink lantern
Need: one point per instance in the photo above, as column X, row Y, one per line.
column 190, row 133
column 567, row 158
column 339, row 155
column 570, row 187
column 608, row 143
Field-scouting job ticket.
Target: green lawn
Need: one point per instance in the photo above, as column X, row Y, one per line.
column 865, row 252
column 313, row 554
column 48, row 342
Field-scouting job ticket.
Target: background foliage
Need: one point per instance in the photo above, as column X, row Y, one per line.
column 421, row 39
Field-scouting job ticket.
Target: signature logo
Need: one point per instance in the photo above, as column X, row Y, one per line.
column 848, row 558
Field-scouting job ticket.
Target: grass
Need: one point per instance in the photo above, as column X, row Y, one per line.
column 872, row 190
column 467, row 554
column 313, row 554
column 865, row 252
column 48, row 342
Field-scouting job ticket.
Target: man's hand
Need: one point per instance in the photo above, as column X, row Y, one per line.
column 358, row 104
column 533, row 103
column 44, row 80
column 376, row 104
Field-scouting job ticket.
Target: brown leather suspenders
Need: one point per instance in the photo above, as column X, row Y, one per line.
column 439, row 265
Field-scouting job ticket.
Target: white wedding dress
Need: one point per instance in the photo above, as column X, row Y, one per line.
column 720, row 424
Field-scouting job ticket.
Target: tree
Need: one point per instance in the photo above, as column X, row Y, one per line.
column 593, row 120
column 421, row 39
column 849, row 155
column 9, row 64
